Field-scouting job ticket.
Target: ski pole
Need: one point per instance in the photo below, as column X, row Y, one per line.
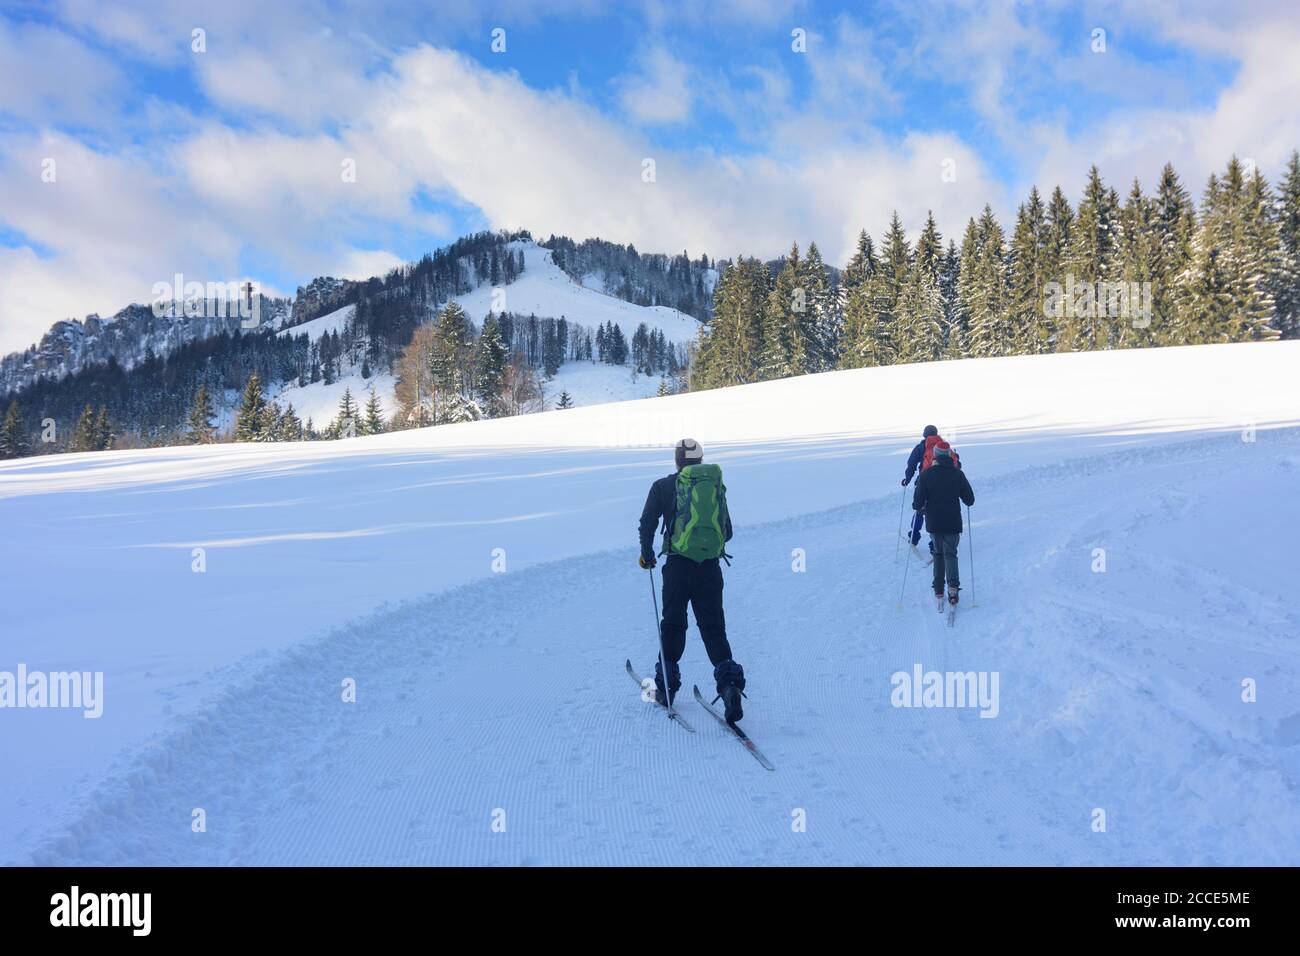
column 898, row 542
column 903, row 590
column 970, row 543
column 663, row 657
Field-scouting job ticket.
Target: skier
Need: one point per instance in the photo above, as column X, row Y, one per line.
column 692, row 504
column 923, row 457
column 938, row 496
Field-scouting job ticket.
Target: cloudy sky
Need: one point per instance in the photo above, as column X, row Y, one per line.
column 225, row 154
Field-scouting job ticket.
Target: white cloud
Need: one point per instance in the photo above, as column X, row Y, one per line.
column 660, row 91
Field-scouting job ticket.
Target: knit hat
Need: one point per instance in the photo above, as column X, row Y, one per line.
column 688, row 452
column 929, row 430
column 942, row 449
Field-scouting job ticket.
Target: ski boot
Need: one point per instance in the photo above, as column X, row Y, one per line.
column 674, row 683
column 730, row 678
column 952, row 594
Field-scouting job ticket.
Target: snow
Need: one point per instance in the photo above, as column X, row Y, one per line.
column 544, row 289
column 477, row 691
column 320, row 402
column 332, row 322
column 592, row 383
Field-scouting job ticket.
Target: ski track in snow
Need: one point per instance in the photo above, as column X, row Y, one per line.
column 1119, row 690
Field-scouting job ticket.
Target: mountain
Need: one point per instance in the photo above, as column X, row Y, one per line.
column 478, row 584
column 336, row 335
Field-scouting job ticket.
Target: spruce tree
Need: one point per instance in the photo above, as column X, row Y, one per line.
column 866, row 336
column 200, row 421
column 1173, row 228
column 103, row 430
column 374, row 415
column 347, row 421
column 492, row 357
column 785, row 322
column 290, row 426
column 1090, row 260
column 989, row 331
column 820, row 319
column 1030, row 329
column 13, row 436
column 250, row 419
column 1136, row 328
column 565, row 400
column 729, row 348
column 84, row 435
column 1286, row 295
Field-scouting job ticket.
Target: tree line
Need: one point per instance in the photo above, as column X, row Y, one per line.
column 1144, row 271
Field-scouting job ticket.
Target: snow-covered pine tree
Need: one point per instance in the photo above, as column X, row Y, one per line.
column 1056, row 249
column 1286, row 295
column 374, row 416
column 288, row 427
column 250, row 419
column 1136, row 260
column 866, row 337
column 346, row 422
column 565, row 400
column 1233, row 254
column 954, row 334
column 986, row 291
column 1173, row 227
column 729, row 348
column 1262, row 262
column 200, row 421
column 784, row 322
column 1092, row 258
column 891, row 279
column 459, row 407
column 13, row 435
column 492, row 357
column 820, row 320
column 918, row 326
column 1029, row 327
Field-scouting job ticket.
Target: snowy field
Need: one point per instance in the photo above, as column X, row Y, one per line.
column 485, row 695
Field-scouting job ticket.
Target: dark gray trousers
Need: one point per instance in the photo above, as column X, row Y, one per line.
column 945, row 559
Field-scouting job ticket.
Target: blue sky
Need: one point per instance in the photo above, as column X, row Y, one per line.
column 226, row 163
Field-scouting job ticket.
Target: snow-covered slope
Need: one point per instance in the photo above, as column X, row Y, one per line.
column 545, row 289
column 485, row 687
column 333, row 322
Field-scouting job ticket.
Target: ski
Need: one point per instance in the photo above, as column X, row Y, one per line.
column 925, row 562
column 673, row 715
column 739, row 734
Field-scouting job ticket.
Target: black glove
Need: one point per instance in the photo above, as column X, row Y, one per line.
column 905, row 481
column 647, row 561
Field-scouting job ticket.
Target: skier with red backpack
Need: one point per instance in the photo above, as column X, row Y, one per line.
column 939, row 493
column 692, row 505
column 922, row 457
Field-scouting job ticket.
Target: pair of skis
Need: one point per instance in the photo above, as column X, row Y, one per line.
column 940, row 601
column 675, row 716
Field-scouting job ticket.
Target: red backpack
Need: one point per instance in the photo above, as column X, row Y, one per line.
column 928, row 460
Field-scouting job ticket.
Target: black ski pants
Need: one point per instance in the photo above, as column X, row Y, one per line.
column 700, row 585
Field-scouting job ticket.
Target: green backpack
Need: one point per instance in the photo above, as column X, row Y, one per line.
column 698, row 529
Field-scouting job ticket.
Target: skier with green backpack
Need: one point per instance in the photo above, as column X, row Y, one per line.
column 692, row 505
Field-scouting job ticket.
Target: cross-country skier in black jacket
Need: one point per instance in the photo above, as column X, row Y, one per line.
column 687, row 581
column 939, row 493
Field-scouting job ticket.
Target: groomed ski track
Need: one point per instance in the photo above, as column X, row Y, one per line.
column 1119, row 690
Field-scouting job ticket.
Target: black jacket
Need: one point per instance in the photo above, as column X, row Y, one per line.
column 661, row 505
column 939, row 493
